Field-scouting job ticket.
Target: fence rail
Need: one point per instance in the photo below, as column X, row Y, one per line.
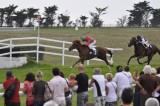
column 8, row 43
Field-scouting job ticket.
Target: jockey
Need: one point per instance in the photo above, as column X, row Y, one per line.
column 90, row 43
column 143, row 41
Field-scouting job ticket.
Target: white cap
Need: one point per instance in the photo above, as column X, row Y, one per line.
column 147, row 69
column 153, row 71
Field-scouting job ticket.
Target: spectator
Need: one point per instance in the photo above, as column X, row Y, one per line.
column 127, row 96
column 122, row 82
column 89, row 104
column 136, row 99
column 28, row 86
column 38, row 90
column 151, row 102
column 99, row 92
column 128, row 74
column 111, row 89
column 68, row 94
column 50, row 103
column 58, row 87
column 72, row 82
column 148, row 83
column 82, row 82
column 10, row 79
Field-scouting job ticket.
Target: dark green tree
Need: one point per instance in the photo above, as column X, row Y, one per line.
column 95, row 20
column 9, row 12
column 50, row 13
column 2, row 13
column 30, row 15
column 83, row 20
column 155, row 21
column 139, row 16
column 20, row 17
column 63, row 19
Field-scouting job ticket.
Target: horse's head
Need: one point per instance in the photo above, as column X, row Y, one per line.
column 74, row 45
column 132, row 42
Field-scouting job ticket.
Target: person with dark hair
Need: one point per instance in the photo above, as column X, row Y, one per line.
column 58, row 86
column 38, row 90
column 28, row 86
column 122, row 82
column 82, row 82
column 119, row 68
column 15, row 99
column 127, row 96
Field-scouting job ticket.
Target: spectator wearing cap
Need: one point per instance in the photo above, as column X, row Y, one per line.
column 10, row 79
column 122, row 82
column 148, row 83
column 38, row 90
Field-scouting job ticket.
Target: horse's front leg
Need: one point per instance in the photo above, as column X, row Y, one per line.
column 130, row 59
column 76, row 63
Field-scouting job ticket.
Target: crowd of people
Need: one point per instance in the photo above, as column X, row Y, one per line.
column 136, row 90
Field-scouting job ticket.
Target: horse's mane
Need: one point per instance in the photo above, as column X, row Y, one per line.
column 79, row 42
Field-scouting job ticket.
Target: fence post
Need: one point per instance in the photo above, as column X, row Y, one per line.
column 10, row 55
column 63, row 50
column 37, row 59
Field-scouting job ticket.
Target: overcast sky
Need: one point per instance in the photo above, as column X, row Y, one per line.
column 76, row 8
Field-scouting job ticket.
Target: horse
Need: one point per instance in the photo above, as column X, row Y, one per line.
column 84, row 52
column 140, row 51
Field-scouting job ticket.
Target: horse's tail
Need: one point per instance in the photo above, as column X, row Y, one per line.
column 109, row 52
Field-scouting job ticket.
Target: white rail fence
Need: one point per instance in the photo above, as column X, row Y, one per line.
column 9, row 43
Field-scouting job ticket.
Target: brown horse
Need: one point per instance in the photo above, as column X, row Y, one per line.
column 140, row 51
column 84, row 52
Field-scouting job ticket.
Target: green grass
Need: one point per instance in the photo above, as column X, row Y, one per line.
column 106, row 37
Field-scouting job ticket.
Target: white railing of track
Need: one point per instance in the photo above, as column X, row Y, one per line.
column 8, row 43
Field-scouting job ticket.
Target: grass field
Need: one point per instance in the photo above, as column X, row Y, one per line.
column 107, row 37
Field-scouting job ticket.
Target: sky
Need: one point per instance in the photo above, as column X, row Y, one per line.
column 76, row 8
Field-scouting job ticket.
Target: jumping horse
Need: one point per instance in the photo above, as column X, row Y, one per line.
column 140, row 51
column 84, row 52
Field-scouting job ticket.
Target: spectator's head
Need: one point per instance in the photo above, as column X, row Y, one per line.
column 30, row 77
column 151, row 102
column 126, row 68
column 147, row 69
column 89, row 104
column 158, row 70
column 153, row 71
column 80, row 68
column 97, row 71
column 72, row 76
column 61, row 74
column 119, row 69
column 109, row 76
column 141, row 73
column 9, row 74
column 55, row 71
column 127, row 96
column 39, row 75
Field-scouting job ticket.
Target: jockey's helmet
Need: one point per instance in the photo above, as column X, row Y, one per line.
column 83, row 38
column 138, row 37
column 88, row 38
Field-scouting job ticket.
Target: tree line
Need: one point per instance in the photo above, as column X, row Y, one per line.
column 142, row 15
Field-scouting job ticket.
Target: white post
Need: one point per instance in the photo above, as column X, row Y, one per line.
column 38, row 42
column 87, row 62
column 63, row 53
column 10, row 57
column 37, row 59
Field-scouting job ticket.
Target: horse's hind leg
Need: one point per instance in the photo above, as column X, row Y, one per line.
column 139, row 61
column 149, row 59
